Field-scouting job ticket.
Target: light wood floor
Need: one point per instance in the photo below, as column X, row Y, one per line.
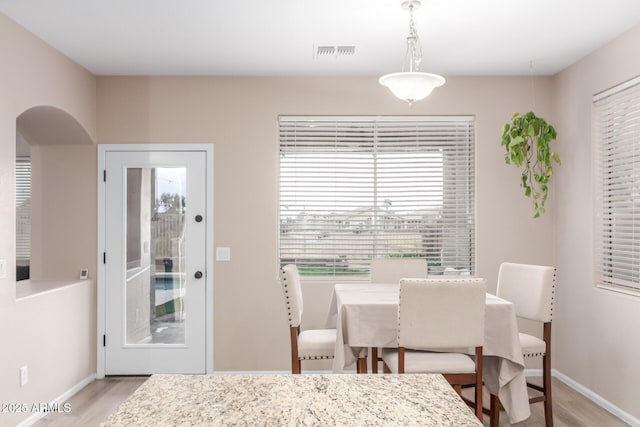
column 93, row 404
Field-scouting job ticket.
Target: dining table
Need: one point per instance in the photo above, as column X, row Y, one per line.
column 365, row 316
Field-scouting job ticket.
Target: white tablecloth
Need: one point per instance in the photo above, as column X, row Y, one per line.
column 368, row 318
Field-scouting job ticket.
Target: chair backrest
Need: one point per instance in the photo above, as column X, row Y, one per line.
column 290, row 279
column 530, row 288
column 441, row 313
column 391, row 270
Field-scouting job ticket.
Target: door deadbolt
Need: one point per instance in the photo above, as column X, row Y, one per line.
column 198, row 218
column 198, row 275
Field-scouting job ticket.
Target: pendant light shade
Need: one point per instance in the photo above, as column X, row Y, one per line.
column 412, row 85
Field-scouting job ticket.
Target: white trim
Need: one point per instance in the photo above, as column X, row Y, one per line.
column 100, row 288
column 617, row 88
column 535, row 372
column 210, row 264
column 59, row 400
column 101, row 291
column 592, row 396
column 620, row 290
column 597, row 399
column 382, row 119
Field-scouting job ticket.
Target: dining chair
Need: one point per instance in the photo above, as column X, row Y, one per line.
column 391, row 270
column 441, row 322
column 311, row 344
column 531, row 289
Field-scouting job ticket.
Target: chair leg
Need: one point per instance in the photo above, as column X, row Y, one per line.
column 494, row 411
column 479, row 369
column 546, row 376
column 546, row 380
column 385, row 368
column 361, row 365
column 296, row 365
column 374, row 360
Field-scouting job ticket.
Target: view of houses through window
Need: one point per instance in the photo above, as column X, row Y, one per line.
column 357, row 188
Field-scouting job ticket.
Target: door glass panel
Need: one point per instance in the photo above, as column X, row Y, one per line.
column 155, row 256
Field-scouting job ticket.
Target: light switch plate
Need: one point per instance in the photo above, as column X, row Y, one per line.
column 223, row 254
column 3, row 268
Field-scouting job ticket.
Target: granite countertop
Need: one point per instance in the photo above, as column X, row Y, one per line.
column 294, row 400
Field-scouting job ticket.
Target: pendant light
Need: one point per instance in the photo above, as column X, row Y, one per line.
column 412, row 85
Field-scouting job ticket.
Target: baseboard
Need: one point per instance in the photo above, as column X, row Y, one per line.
column 589, row 394
column 59, row 400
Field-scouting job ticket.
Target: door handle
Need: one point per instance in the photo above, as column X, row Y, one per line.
column 198, row 275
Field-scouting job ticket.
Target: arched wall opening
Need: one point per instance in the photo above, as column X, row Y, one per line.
column 54, row 238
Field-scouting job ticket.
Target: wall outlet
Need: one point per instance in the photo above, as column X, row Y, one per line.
column 24, row 376
column 223, row 254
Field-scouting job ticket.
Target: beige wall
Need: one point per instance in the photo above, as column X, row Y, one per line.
column 64, row 211
column 596, row 331
column 53, row 334
column 240, row 117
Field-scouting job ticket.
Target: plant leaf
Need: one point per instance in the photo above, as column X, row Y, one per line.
column 516, row 141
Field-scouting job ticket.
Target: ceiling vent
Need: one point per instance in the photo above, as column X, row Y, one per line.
column 333, row 52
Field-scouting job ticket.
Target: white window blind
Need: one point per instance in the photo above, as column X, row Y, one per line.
column 23, row 208
column 617, row 140
column 357, row 188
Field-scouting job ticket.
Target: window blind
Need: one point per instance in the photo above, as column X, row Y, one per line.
column 23, row 208
column 357, row 188
column 617, row 152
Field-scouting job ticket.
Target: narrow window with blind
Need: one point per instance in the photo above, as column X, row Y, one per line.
column 357, row 188
column 23, row 217
column 617, row 154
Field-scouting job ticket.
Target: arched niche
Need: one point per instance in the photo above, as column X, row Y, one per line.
column 46, row 125
column 62, row 157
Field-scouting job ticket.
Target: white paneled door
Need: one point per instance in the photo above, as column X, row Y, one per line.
column 155, row 262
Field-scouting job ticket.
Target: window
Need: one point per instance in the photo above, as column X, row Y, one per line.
column 356, row 188
column 23, row 217
column 617, row 153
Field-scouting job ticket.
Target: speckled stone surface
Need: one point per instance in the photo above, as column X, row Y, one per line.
column 294, row 400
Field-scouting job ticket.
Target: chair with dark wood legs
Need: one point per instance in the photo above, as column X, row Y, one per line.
column 311, row 344
column 531, row 289
column 434, row 316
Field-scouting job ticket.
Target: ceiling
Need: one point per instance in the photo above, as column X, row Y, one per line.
column 280, row 37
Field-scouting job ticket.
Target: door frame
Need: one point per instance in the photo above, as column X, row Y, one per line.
column 101, row 288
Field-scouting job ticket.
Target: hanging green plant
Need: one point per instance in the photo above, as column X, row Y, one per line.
column 527, row 140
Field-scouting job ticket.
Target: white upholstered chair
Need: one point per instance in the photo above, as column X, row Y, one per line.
column 531, row 289
column 312, row 344
column 436, row 316
column 391, row 270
